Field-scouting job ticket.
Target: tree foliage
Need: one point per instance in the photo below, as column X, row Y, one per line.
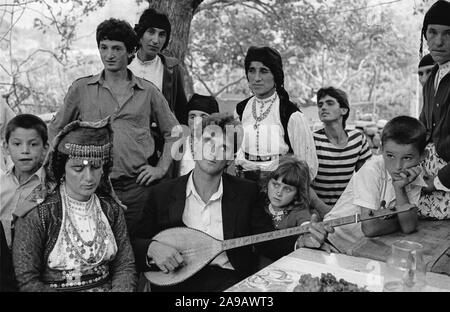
column 31, row 77
column 345, row 43
column 365, row 49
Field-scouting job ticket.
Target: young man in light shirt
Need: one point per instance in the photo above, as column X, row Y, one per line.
column 132, row 103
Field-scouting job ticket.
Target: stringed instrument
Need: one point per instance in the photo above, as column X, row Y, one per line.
column 199, row 249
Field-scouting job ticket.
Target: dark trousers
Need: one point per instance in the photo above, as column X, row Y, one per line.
column 133, row 196
column 7, row 278
column 209, row 279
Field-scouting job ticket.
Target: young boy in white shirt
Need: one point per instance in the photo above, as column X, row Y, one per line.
column 26, row 143
column 393, row 178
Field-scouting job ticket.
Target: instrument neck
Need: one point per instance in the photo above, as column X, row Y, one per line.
column 302, row 229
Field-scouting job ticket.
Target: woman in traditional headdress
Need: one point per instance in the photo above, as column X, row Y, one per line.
column 76, row 238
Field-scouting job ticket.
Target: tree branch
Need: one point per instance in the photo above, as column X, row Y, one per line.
column 39, row 51
column 317, row 79
column 13, row 23
column 203, row 83
column 227, row 86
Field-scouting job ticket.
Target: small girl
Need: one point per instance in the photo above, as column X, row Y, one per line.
column 286, row 193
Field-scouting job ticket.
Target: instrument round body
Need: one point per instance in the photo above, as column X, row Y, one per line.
column 198, row 249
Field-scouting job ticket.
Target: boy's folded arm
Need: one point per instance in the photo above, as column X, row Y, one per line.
column 378, row 226
column 408, row 220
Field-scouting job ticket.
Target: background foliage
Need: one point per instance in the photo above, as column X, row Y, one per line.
column 365, row 47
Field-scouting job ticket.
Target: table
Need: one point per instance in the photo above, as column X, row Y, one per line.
column 283, row 275
column 433, row 235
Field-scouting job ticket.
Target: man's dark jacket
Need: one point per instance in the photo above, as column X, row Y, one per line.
column 436, row 118
column 173, row 91
column 173, row 88
column 242, row 215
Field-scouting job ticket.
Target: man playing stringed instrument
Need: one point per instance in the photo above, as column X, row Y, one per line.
column 218, row 204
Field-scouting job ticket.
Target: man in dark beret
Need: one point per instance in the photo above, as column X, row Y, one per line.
column 426, row 64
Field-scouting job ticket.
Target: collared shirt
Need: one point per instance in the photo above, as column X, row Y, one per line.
column 206, row 217
column 13, row 195
column 444, row 69
column 151, row 70
column 367, row 188
column 89, row 99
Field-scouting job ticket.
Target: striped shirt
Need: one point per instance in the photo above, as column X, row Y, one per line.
column 337, row 165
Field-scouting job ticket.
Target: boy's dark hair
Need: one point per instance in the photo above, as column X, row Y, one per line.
column 405, row 130
column 156, row 19
column 27, row 121
column 339, row 95
column 119, row 30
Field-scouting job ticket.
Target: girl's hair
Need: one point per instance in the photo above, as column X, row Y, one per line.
column 293, row 172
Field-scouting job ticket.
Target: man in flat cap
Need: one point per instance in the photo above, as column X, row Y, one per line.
column 426, row 64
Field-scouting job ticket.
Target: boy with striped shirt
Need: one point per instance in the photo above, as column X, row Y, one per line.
column 340, row 152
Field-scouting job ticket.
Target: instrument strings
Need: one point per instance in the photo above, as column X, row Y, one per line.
column 194, row 251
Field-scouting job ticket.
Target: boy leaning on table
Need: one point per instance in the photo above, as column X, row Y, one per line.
column 393, row 178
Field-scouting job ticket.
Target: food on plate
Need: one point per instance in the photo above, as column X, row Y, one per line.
column 326, row 283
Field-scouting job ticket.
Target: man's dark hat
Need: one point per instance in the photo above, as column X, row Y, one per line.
column 427, row 60
column 270, row 58
column 203, row 103
column 438, row 13
column 155, row 19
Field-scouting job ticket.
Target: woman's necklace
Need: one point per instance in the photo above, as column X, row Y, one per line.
column 94, row 249
column 262, row 115
column 261, row 104
column 276, row 215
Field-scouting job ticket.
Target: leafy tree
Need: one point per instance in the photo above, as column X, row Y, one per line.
column 345, row 44
column 31, row 78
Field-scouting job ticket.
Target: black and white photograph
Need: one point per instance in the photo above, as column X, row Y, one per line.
column 224, row 154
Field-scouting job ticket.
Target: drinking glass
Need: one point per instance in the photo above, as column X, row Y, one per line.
column 405, row 268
